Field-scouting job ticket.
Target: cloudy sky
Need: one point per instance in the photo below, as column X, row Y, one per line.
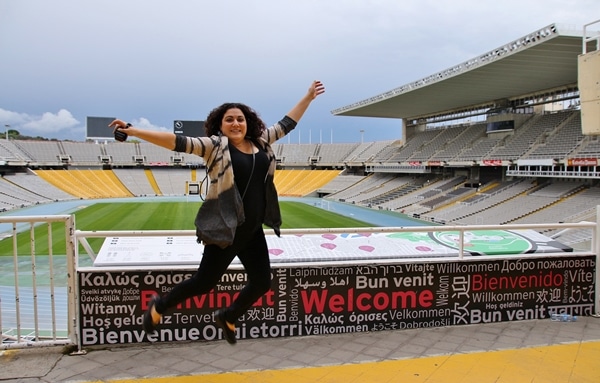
column 151, row 62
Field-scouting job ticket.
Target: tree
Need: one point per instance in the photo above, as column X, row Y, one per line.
column 12, row 133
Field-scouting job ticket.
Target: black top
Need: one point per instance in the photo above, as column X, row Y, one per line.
column 254, row 199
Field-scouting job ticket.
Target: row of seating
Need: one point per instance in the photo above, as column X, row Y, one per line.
column 299, row 183
column 449, row 201
column 552, row 136
column 53, row 153
column 43, row 186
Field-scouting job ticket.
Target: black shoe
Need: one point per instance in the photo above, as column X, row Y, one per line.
column 149, row 324
column 228, row 333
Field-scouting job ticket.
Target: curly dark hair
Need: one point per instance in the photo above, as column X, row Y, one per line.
column 254, row 124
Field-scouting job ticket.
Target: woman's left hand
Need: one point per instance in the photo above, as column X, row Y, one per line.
column 315, row 89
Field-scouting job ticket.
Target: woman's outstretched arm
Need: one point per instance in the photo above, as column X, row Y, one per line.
column 164, row 139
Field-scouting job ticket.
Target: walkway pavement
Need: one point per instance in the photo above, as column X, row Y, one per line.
column 539, row 351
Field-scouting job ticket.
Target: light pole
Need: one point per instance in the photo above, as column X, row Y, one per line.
column 7, row 126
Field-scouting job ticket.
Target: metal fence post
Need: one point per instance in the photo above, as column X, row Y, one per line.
column 596, row 249
column 72, row 292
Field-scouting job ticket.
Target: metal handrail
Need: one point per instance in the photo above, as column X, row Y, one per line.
column 83, row 235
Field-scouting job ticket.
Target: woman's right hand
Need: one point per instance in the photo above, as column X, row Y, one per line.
column 118, row 127
column 119, row 124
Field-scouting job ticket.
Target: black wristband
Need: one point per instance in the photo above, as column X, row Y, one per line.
column 287, row 123
column 180, row 143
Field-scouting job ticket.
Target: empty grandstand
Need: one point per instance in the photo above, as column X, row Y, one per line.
column 502, row 141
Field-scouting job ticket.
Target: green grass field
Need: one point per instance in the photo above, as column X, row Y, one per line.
column 157, row 216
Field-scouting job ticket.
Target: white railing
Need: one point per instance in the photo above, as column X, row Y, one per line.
column 18, row 334
column 83, row 235
column 24, row 324
column 553, row 173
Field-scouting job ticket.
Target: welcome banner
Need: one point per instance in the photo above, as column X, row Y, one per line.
column 330, row 299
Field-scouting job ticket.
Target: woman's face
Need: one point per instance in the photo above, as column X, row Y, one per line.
column 233, row 125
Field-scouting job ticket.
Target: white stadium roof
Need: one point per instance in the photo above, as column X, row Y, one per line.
column 540, row 63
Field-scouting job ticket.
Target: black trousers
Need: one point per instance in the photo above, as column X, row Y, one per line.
column 252, row 251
